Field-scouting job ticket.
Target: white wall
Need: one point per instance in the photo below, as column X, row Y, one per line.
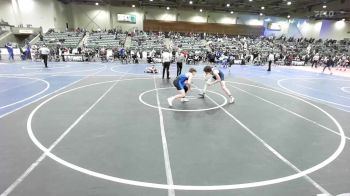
column 160, row 14
column 222, row 17
column 90, row 17
column 129, row 11
column 53, row 14
column 39, row 13
column 282, row 22
column 7, row 12
column 298, row 28
column 192, row 16
column 335, row 30
column 62, row 16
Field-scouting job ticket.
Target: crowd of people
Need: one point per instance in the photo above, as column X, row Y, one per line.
column 218, row 49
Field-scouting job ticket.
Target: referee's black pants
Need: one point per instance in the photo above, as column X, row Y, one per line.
column 166, row 66
column 179, row 68
column 269, row 69
column 44, row 56
column 314, row 63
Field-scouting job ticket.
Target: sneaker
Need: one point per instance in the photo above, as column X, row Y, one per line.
column 232, row 99
column 170, row 101
column 201, row 95
column 184, row 100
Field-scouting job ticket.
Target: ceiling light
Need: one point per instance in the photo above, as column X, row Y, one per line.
column 262, row 7
column 261, row 14
column 133, row 6
column 150, row 0
column 289, row 3
column 96, row 3
column 201, row 10
column 288, row 16
column 191, row 2
column 228, row 5
column 343, row 19
column 324, row 6
column 231, row 12
column 250, row 0
column 168, row 8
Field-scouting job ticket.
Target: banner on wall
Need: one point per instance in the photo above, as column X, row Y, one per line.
column 273, row 26
column 25, row 31
column 126, row 18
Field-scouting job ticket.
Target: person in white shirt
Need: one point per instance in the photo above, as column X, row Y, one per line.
column 270, row 59
column 179, row 61
column 166, row 58
column 315, row 60
column 44, row 52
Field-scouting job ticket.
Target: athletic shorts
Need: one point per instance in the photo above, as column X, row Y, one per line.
column 180, row 86
column 222, row 76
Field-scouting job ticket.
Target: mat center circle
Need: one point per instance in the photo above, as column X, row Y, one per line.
column 195, row 104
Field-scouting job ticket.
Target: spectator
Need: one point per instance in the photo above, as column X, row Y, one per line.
column 270, row 59
column 10, row 51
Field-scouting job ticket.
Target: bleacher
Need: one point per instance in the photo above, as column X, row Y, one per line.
column 189, row 43
column 1, row 32
column 105, row 39
column 67, row 39
column 147, row 42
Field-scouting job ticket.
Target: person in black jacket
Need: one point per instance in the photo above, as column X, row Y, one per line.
column 329, row 64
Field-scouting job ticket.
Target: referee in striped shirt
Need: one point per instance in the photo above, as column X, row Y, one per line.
column 44, row 51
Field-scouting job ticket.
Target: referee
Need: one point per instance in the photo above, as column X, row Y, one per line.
column 166, row 59
column 44, row 51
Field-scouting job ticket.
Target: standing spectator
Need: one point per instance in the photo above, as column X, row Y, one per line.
column 62, row 54
column 28, row 52
column 41, row 37
column 329, row 64
column 166, row 58
column 315, row 60
column 270, row 59
column 10, row 51
column 179, row 61
column 123, row 55
column 44, row 51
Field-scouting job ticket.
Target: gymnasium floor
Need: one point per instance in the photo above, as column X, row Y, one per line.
column 106, row 129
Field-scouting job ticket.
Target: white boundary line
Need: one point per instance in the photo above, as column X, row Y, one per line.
column 41, row 67
column 307, row 96
column 68, row 72
column 169, row 175
column 178, row 110
column 313, row 89
column 25, row 99
column 10, row 112
column 287, row 110
column 159, row 74
column 54, row 73
column 136, row 74
column 344, row 89
column 53, row 145
column 275, row 152
column 312, row 169
column 17, row 86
